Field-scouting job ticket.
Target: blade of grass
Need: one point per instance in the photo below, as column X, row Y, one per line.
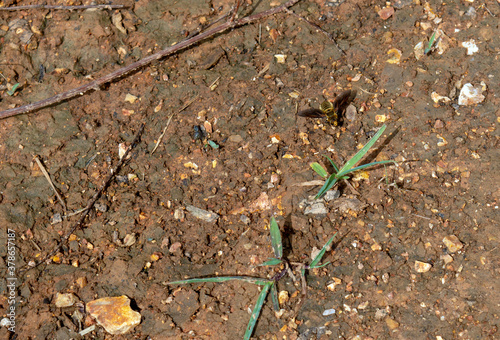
column 249, row 279
column 271, row 262
column 322, row 251
column 256, row 311
column 357, row 157
column 370, row 164
column 13, row 89
column 319, row 169
column 274, row 297
column 333, row 164
column 213, row 144
column 330, row 182
column 321, row 266
column 318, row 257
column 431, row 42
column 276, row 239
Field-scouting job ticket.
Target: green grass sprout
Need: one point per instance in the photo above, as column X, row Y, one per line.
column 276, row 239
column 271, row 262
column 256, row 311
column 319, row 256
column 213, row 144
column 349, row 166
column 431, row 42
column 13, row 89
column 268, row 285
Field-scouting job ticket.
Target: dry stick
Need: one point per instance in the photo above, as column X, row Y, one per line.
column 169, row 119
column 96, row 84
column 318, row 28
column 235, row 11
column 19, row 8
column 47, row 176
column 92, row 201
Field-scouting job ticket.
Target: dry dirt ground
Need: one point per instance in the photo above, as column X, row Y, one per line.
column 236, row 94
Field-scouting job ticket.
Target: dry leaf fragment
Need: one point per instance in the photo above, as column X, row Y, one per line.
column 116, row 19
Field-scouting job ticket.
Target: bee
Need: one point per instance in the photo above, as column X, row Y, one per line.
column 333, row 111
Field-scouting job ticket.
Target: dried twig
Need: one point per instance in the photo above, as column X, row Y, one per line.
column 169, row 119
column 20, row 8
column 96, row 84
column 329, row 35
column 92, row 201
column 235, row 10
column 47, row 176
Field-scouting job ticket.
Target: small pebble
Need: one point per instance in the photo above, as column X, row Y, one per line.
column 331, row 286
column 5, row 322
column 245, row 219
column 128, row 240
column 329, row 312
column 438, row 124
column 470, row 46
column 207, row 216
column 391, row 323
column 121, row 179
column 114, row 314
column 363, row 305
column 470, row 95
column 316, row 209
column 235, row 139
column 175, row 247
column 130, row 98
column 179, row 214
column 331, row 195
column 283, row 297
column 446, row 258
column 422, row 267
column 56, row 219
column 380, row 314
column 65, row 300
column 375, row 246
column 280, row 58
column 386, row 13
column 101, row 207
column 122, row 148
column 452, row 243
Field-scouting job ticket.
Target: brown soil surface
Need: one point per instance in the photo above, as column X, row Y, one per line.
column 445, row 183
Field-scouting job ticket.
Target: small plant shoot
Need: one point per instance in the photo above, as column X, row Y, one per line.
column 348, row 167
column 428, row 49
column 268, row 285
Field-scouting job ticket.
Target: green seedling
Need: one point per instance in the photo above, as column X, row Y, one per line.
column 13, row 89
column 428, row 49
column 213, row 144
column 348, row 167
column 268, row 285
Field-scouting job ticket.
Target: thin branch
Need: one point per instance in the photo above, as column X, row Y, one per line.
column 169, row 119
column 96, row 84
column 92, row 201
column 235, row 10
column 47, row 176
column 20, row 8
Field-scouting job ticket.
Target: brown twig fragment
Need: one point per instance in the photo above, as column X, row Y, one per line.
column 169, row 119
column 96, row 84
column 47, row 176
column 20, row 8
column 235, row 10
column 94, row 199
